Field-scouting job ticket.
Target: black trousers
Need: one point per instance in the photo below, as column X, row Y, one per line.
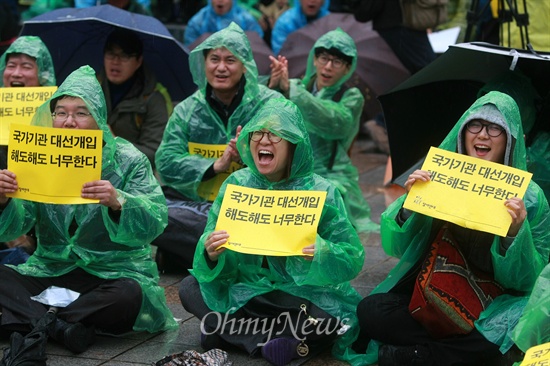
column 278, row 314
column 386, row 318
column 109, row 305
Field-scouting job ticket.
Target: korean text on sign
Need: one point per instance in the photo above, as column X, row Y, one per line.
column 52, row 164
column 267, row 222
column 467, row 191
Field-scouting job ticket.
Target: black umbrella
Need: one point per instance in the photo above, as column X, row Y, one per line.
column 76, row 37
column 378, row 69
column 421, row 111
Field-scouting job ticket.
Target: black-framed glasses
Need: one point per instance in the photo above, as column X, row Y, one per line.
column 337, row 63
column 493, row 129
column 257, row 136
column 63, row 116
column 123, row 57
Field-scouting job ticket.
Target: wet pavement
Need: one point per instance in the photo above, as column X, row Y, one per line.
column 144, row 348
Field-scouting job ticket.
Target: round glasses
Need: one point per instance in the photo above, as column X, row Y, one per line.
column 337, row 63
column 493, row 129
column 257, row 136
column 78, row 116
column 123, row 57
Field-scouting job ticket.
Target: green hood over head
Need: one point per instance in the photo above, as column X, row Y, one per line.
column 235, row 40
column 34, row 47
column 499, row 108
column 339, row 40
column 283, row 118
column 81, row 83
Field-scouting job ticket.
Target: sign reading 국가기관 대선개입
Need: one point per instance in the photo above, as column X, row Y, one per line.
column 269, row 222
column 467, row 191
column 18, row 105
column 52, row 164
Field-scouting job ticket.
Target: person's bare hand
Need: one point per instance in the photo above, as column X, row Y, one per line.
column 8, row 184
column 213, row 242
column 103, row 191
column 417, row 175
column 516, row 208
column 279, row 72
column 229, row 155
column 308, row 252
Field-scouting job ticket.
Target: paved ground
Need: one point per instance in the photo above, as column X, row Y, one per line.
column 143, row 349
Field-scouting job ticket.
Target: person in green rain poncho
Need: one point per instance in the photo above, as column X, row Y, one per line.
column 332, row 113
column 100, row 250
column 198, row 151
column 26, row 63
column 490, row 129
column 227, row 285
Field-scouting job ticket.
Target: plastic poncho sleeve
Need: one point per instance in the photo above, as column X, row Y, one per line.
column 173, row 160
column 327, row 118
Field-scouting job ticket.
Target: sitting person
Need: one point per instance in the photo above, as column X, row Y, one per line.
column 100, row 250
column 217, row 15
column 331, row 112
column 26, row 63
column 228, row 97
column 491, row 130
column 299, row 15
column 137, row 105
column 275, row 147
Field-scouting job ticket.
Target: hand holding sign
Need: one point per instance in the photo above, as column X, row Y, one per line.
column 8, row 184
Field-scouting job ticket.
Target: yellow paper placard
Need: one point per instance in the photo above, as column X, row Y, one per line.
column 209, row 189
column 467, row 191
column 537, row 356
column 17, row 105
column 52, row 164
column 265, row 222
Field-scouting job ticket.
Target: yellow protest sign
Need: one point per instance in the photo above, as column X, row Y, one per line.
column 17, row 105
column 467, row 191
column 52, row 164
column 209, row 189
column 537, row 356
column 266, row 222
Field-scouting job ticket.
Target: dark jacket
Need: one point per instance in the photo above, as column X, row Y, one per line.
column 141, row 116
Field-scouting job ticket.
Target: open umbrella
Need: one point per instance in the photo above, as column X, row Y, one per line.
column 260, row 50
column 76, row 37
column 378, row 69
column 421, row 111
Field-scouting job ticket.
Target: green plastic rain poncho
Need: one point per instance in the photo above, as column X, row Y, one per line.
column 516, row 269
column 101, row 246
column 193, row 120
column 339, row 254
column 333, row 126
column 34, row 47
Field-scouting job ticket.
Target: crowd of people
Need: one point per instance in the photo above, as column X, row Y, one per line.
column 165, row 171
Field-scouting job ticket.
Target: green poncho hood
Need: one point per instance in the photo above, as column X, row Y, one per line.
column 499, row 108
column 283, row 118
column 235, row 40
column 339, row 40
column 81, row 83
column 34, row 47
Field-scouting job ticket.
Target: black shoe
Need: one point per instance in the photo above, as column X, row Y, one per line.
column 389, row 355
column 76, row 337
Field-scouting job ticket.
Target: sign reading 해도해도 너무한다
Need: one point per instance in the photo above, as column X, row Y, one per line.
column 467, row 191
column 52, row 164
column 18, row 105
column 269, row 222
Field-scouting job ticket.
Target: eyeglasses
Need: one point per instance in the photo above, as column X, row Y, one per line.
column 123, row 57
column 63, row 116
column 257, row 136
column 493, row 129
column 337, row 63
